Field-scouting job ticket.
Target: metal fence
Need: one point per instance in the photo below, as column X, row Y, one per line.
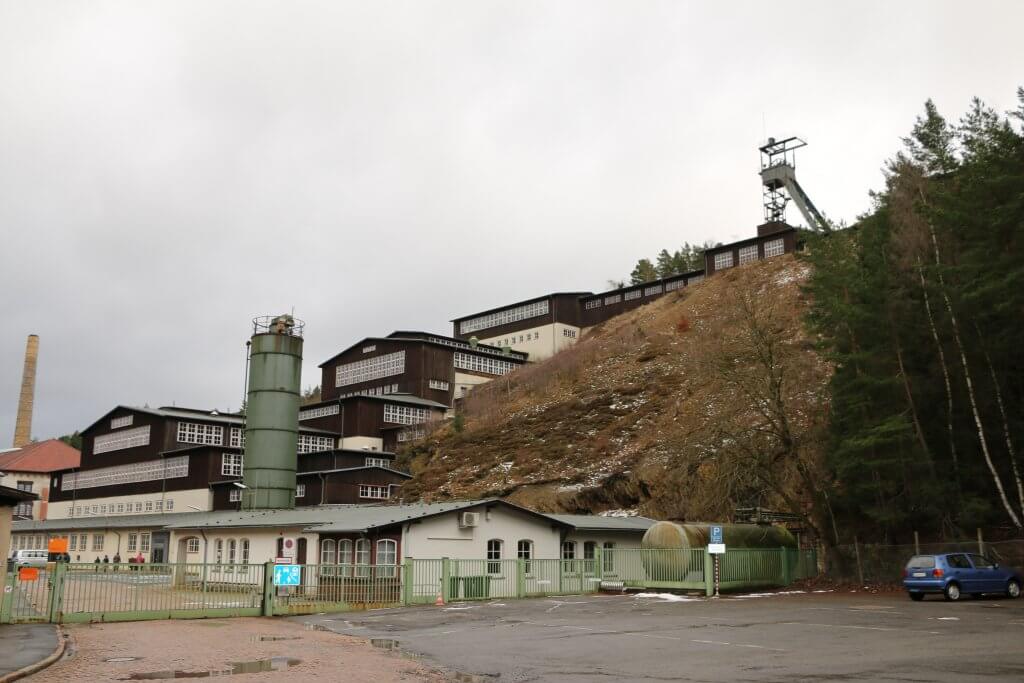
column 124, row 592
column 883, row 563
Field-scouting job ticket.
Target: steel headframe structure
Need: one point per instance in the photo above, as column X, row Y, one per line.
column 778, row 176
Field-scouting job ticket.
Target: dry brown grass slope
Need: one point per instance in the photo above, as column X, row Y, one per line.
column 707, row 398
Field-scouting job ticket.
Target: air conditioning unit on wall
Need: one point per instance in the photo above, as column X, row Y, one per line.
column 468, row 520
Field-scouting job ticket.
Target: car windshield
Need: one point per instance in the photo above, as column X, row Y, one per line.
column 921, row 562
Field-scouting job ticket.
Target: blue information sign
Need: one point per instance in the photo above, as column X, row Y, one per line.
column 287, row 575
column 716, row 534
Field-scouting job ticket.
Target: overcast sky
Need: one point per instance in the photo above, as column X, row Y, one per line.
column 168, row 170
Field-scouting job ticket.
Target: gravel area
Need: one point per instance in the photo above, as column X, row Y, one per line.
column 214, row 644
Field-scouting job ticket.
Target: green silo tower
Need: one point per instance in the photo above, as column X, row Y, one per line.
column 272, row 413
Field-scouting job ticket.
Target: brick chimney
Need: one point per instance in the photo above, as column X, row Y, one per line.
column 23, row 426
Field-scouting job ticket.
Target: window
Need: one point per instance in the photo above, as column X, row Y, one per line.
column 387, row 557
column 300, row 490
column 524, row 551
column 377, row 462
column 309, row 443
column 345, row 556
column 138, row 507
column 118, row 441
column 169, row 504
column 438, row 384
column 363, row 557
column 723, row 260
column 369, row 349
column 244, row 544
column 568, row 550
column 120, row 507
column 695, row 279
column 776, row 247
column 509, row 315
column 218, row 551
column 232, row 551
column 149, row 506
column 118, row 422
column 320, row 411
column 494, row 556
column 608, row 556
column 569, row 333
column 97, row 541
column 613, row 299
column 632, row 294
column 675, row 284
column 489, row 366
column 149, row 470
column 327, row 552
column 651, row 291
column 593, row 303
column 192, row 546
column 191, row 432
column 369, row 369
column 73, row 542
column 159, row 505
column 589, row 550
column 82, row 541
column 236, row 439
column 144, row 542
column 748, row 254
column 103, row 509
column 370, row 491
column 405, row 415
column 411, row 434
column 231, row 464
column 234, row 495
column 982, row 562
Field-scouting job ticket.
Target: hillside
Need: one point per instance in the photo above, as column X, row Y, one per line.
column 707, row 398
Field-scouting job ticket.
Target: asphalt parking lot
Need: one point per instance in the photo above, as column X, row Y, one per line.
column 783, row 637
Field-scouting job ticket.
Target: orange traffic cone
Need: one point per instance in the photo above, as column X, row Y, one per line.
column 440, row 600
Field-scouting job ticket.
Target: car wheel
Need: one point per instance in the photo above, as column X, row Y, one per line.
column 1013, row 589
column 917, row 597
column 952, row 592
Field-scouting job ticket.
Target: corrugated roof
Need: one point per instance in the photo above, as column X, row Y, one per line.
column 600, row 523
column 43, row 456
column 109, row 522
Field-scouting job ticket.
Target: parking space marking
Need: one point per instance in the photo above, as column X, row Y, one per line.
column 863, row 628
column 653, row 636
column 722, row 642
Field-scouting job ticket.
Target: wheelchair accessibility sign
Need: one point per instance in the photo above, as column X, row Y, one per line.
column 287, row 575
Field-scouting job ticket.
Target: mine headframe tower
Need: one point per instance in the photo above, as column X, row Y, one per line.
column 778, row 177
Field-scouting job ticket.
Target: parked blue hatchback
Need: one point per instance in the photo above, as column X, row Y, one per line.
column 958, row 574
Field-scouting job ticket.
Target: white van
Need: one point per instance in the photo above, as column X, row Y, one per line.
column 29, row 558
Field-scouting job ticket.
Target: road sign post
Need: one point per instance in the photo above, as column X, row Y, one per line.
column 716, row 547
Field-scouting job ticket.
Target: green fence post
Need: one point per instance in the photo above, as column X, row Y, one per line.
column 598, row 569
column 407, row 579
column 268, row 589
column 787, row 570
column 561, row 576
column 709, row 574
column 446, row 575
column 57, row 591
column 520, row 578
column 7, row 599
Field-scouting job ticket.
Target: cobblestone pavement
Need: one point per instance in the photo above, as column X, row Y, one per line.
column 212, row 645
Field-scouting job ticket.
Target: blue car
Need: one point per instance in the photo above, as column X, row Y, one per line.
column 958, row 574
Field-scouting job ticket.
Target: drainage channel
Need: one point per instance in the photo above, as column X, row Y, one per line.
column 251, row 667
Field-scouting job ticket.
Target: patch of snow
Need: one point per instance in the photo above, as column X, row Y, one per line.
column 618, row 513
column 948, row 618
column 667, row 597
column 767, row 595
column 449, row 609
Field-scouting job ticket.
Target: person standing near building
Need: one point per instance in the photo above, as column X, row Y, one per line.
column 117, row 559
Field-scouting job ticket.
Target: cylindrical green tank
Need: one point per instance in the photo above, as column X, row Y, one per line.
column 674, row 536
column 272, row 413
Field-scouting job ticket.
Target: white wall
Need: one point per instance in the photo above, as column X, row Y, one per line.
column 550, row 340
column 40, row 487
column 441, row 536
column 262, row 544
column 197, row 498
column 358, row 443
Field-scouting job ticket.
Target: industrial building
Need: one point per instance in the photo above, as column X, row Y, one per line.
column 29, row 469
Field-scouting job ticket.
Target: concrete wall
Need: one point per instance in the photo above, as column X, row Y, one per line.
column 441, row 536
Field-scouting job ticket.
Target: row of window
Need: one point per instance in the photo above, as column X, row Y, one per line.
column 571, row 334
column 631, row 294
column 193, row 432
column 374, row 391
column 489, row 366
column 121, row 440
column 466, row 345
column 405, row 415
column 369, row 369
column 118, row 422
column 354, row 558
column 319, row 411
column 524, row 551
column 232, row 552
column 377, row 462
column 748, row 254
column 439, row 384
column 411, row 434
column 509, row 315
column 509, row 341
column 374, row 492
column 137, row 542
column 131, row 507
column 310, row 443
column 150, row 470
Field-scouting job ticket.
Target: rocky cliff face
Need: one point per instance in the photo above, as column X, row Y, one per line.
column 708, row 398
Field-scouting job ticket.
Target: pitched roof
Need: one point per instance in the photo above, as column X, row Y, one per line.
column 42, row 456
column 601, row 523
column 432, row 339
column 193, row 414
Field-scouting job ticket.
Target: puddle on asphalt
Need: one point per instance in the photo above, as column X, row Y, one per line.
column 460, row 677
column 384, row 643
column 263, row 638
column 251, row 667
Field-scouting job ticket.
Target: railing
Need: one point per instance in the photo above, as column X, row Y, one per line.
column 123, row 592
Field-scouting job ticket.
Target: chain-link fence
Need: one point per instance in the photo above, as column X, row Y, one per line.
column 867, row 563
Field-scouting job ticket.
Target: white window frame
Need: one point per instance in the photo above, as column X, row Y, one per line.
column 723, row 260
column 389, row 549
column 313, row 443
column 362, row 557
column 195, row 432
column 234, row 495
column 374, row 491
column 405, row 415
column 483, row 364
column 775, row 247
column 123, row 421
column 192, row 546
column 632, row 294
column 148, row 470
column 319, row 411
column 368, row 369
column 377, row 462
column 504, row 317
column 495, row 547
column 748, row 254
column 231, row 464
column 118, row 441
column 300, row 490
